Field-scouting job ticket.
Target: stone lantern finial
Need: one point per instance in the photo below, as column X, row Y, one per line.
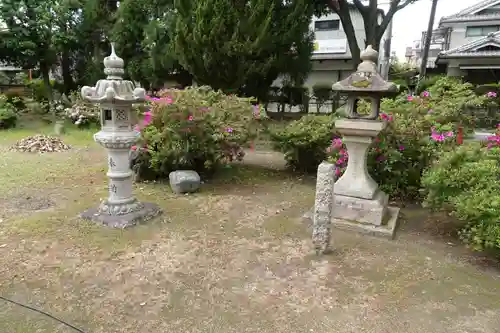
column 369, row 58
column 113, row 65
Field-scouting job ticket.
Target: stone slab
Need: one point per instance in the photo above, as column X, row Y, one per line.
column 387, row 230
column 369, row 211
column 149, row 211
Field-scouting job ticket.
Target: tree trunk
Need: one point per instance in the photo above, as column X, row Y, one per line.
column 342, row 9
column 45, row 70
column 66, row 73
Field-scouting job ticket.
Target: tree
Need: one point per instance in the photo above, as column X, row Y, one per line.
column 28, row 40
column 143, row 33
column 242, row 46
column 375, row 20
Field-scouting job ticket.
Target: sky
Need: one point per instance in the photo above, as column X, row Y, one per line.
column 411, row 21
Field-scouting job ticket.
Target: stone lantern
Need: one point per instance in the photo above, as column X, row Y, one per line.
column 359, row 203
column 116, row 96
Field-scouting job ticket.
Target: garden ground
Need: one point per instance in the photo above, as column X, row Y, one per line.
column 235, row 257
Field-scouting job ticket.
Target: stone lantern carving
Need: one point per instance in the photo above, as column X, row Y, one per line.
column 359, row 203
column 116, row 97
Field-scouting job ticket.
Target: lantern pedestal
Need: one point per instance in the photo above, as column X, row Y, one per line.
column 121, row 209
column 359, row 203
column 145, row 212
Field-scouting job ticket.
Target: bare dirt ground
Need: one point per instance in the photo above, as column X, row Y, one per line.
column 235, row 257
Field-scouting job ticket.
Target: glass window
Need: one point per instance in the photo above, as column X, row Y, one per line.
column 481, row 30
column 474, row 31
column 326, row 25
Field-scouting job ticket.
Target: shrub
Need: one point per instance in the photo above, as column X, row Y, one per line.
column 39, row 89
column 82, row 114
column 466, row 182
column 428, row 82
column 8, row 115
column 197, row 129
column 322, row 92
column 15, row 96
column 304, row 141
column 295, row 95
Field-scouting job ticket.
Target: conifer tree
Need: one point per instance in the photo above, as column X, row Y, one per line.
column 242, row 46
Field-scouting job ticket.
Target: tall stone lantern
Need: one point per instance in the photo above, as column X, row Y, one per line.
column 359, row 203
column 115, row 97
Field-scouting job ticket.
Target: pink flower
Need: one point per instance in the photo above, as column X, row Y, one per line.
column 491, row 94
column 256, row 110
column 449, row 134
column 147, row 118
column 190, row 118
column 168, row 100
column 229, row 130
column 337, row 171
column 426, row 93
column 401, row 148
column 410, row 98
column 430, row 111
column 384, row 116
column 133, row 147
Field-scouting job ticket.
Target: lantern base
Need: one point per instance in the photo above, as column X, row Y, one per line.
column 147, row 212
column 386, row 230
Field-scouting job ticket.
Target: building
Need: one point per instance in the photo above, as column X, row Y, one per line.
column 465, row 44
column 439, row 42
column 474, row 47
column 331, row 59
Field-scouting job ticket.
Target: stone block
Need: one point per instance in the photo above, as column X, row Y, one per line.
column 387, row 230
column 184, row 181
column 368, row 211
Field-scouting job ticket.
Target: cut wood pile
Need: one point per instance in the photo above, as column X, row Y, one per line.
column 40, row 144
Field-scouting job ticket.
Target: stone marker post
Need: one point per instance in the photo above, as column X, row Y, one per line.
column 323, row 206
column 116, row 97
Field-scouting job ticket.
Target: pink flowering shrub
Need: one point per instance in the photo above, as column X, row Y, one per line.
column 493, row 141
column 195, row 128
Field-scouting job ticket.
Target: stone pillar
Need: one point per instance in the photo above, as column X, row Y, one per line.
column 323, row 207
column 358, row 135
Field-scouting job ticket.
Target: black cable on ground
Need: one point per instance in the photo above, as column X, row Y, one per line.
column 41, row 312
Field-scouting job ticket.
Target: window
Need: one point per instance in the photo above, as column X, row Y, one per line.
column 326, row 25
column 481, row 30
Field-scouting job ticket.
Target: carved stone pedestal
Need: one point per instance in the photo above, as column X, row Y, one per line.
column 359, row 203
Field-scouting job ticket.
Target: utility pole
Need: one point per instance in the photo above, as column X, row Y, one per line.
column 428, row 38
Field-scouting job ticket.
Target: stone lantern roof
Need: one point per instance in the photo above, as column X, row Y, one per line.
column 114, row 89
column 366, row 81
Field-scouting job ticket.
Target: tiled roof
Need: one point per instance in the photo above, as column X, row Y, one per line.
column 478, row 6
column 469, row 49
column 468, row 13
